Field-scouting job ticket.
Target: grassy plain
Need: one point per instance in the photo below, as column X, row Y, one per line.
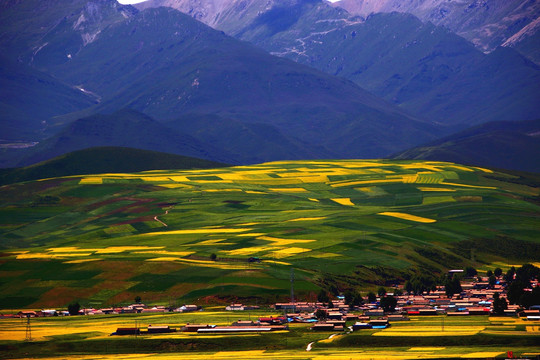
column 104, row 239
column 87, row 337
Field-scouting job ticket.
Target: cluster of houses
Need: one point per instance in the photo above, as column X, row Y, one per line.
column 130, row 309
column 476, row 298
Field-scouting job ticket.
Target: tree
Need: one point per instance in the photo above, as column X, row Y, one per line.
column 509, row 277
column 497, row 272
column 398, row 292
column 74, row 308
column 381, row 292
column 489, row 273
column 408, row 287
column 353, row 298
column 470, row 271
column 492, row 280
column 388, row 303
column 320, row 314
column 213, row 257
column 452, row 286
column 499, row 304
column 371, row 297
column 323, row 296
column 138, row 299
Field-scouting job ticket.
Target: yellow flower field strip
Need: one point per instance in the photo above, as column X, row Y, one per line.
column 80, row 261
column 176, row 186
column 276, row 262
column 482, row 354
column 213, row 242
column 222, row 190
column 119, row 249
column 471, row 186
column 91, row 181
column 249, row 250
column 202, row 263
column 289, row 190
column 308, row 219
column 156, row 178
column 343, row 201
column 422, row 188
column 250, row 234
column 363, row 182
column 197, row 231
column 407, row 217
column 313, row 199
column 164, row 252
column 49, row 255
column 533, row 328
column 284, row 242
column 110, row 249
column 283, row 253
column 325, row 255
column 428, row 348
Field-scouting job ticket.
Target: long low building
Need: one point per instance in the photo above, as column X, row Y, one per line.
column 236, row 329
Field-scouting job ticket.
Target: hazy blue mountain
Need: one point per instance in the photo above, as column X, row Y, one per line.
column 251, row 142
column 503, row 144
column 48, row 33
column 28, row 98
column 124, row 128
column 488, row 24
column 165, row 64
column 101, row 160
column 425, row 69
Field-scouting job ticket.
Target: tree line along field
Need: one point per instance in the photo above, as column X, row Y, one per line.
column 88, row 337
column 186, row 236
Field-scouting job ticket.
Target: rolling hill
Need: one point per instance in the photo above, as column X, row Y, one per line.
column 506, row 145
column 103, row 160
column 106, row 238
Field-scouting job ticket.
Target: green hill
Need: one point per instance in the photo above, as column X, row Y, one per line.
column 502, row 144
column 104, row 160
column 106, row 238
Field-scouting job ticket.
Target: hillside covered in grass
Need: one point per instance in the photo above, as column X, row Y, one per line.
column 189, row 235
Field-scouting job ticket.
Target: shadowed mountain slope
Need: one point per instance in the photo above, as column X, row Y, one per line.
column 508, row 145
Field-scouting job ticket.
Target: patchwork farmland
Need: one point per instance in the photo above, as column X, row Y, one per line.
column 222, row 234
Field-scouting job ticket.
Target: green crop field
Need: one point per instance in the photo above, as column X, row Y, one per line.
column 104, row 239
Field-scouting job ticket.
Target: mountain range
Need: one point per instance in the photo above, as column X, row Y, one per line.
column 97, row 73
column 426, row 69
column 167, row 65
column 487, row 24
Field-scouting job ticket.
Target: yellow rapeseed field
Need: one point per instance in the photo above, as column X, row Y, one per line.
column 283, row 242
column 407, row 217
column 91, row 181
column 282, row 253
column 343, row 201
column 197, row 231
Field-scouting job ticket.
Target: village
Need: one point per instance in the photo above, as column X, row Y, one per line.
column 477, row 297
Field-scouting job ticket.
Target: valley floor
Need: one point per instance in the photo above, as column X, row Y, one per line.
column 88, row 337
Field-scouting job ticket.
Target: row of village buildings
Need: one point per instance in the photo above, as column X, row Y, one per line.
column 475, row 299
